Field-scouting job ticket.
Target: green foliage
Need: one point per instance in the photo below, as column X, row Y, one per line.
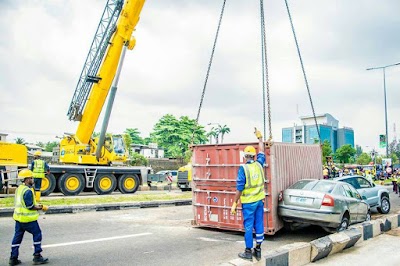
column 128, row 142
column 20, row 141
column 223, row 130
column 345, row 153
column 138, row 159
column 363, row 159
column 394, row 158
column 175, row 135
column 134, row 133
column 40, row 144
column 326, row 150
column 50, row 145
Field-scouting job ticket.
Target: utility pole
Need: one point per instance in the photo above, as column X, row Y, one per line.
column 384, row 95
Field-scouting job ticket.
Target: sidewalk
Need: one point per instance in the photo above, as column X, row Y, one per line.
column 381, row 250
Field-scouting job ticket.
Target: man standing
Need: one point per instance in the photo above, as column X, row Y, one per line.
column 250, row 191
column 39, row 168
column 26, row 215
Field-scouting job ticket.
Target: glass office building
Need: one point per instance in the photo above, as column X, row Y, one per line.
column 328, row 128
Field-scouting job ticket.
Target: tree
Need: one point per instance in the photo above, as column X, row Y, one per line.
column 175, row 135
column 40, row 144
column 363, row 159
column 138, row 159
column 223, row 130
column 50, row 145
column 20, row 141
column 135, row 135
column 128, row 142
column 212, row 134
column 345, row 153
column 326, row 150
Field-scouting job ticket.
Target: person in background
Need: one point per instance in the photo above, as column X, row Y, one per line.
column 394, row 182
column 26, row 215
column 39, row 168
column 250, row 190
column 325, row 173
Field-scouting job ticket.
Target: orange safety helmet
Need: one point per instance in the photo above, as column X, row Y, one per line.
column 250, row 150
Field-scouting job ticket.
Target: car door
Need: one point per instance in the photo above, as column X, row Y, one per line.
column 362, row 207
column 368, row 190
column 352, row 202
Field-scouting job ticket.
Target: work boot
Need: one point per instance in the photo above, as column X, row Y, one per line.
column 257, row 253
column 38, row 259
column 246, row 255
column 14, row 261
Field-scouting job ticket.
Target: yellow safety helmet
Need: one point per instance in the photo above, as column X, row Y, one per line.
column 37, row 153
column 250, row 150
column 25, row 173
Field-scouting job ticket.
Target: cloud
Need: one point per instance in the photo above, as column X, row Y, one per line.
column 44, row 44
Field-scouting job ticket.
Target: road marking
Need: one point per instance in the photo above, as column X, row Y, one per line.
column 93, row 240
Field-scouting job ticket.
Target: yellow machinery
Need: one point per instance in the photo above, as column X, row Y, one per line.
column 185, row 177
column 12, row 157
column 99, row 79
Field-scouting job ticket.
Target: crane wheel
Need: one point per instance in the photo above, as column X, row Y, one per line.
column 128, row 183
column 48, row 184
column 71, row 184
column 105, row 184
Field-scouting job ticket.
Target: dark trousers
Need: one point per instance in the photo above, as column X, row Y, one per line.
column 20, row 228
column 38, row 183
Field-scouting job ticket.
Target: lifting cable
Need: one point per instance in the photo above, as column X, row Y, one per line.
column 209, row 68
column 265, row 77
column 304, row 72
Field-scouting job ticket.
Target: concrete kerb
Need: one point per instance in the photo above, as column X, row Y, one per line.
column 301, row 253
column 8, row 212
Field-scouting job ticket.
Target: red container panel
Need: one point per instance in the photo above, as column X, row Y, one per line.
column 215, row 169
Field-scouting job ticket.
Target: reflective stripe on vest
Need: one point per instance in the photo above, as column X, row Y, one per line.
column 254, row 188
column 38, row 168
column 21, row 213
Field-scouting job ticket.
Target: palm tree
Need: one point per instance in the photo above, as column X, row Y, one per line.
column 223, row 130
column 20, row 141
column 211, row 134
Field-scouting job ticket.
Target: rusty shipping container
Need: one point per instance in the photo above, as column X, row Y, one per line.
column 215, row 169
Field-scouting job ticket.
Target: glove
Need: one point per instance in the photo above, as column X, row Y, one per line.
column 45, row 208
column 258, row 133
column 233, row 209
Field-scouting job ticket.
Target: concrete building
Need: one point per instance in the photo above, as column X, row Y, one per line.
column 328, row 127
column 148, row 151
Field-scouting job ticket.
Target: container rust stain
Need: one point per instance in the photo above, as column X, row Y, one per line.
column 215, row 169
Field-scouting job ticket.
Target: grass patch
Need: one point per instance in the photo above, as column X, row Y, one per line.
column 9, row 202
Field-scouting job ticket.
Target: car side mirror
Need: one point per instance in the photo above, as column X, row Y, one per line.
column 364, row 197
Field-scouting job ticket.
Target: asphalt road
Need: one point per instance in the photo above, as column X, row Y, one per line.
column 153, row 236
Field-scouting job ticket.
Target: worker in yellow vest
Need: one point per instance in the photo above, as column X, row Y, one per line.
column 39, row 168
column 250, row 190
column 26, row 215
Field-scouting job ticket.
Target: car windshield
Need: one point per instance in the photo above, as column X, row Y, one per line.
column 314, row 185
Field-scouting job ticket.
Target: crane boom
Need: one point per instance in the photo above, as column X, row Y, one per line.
column 99, row 79
column 113, row 33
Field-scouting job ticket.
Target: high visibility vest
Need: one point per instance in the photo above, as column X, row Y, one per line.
column 254, row 188
column 21, row 213
column 38, row 168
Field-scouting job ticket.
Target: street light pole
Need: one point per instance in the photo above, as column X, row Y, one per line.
column 384, row 95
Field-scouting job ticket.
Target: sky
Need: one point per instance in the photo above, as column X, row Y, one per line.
column 43, row 46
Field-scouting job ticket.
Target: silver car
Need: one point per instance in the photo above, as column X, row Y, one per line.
column 333, row 205
column 376, row 196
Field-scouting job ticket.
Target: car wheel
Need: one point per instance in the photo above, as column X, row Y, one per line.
column 385, row 205
column 343, row 224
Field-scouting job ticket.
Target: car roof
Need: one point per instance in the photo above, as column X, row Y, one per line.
column 347, row 176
